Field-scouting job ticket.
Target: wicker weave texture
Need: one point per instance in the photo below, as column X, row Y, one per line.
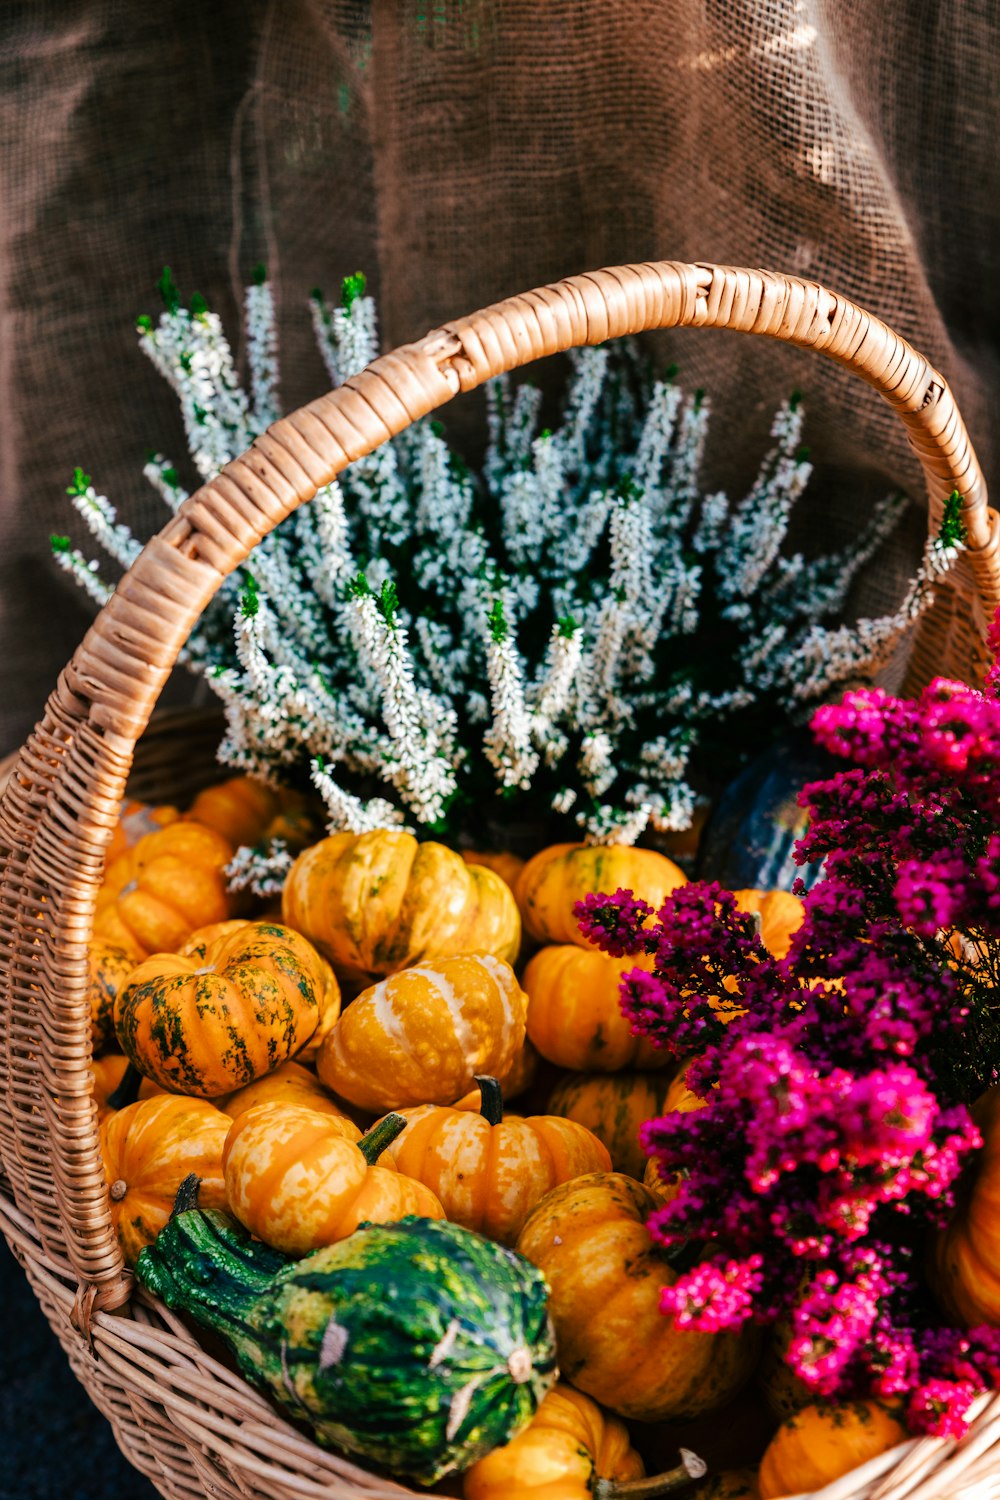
column 192, row 1426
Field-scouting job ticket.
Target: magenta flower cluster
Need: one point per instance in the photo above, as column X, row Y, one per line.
column 835, row 1082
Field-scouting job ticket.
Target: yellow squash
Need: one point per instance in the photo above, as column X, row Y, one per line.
column 488, row 1172
column 299, row 1179
column 212, row 1023
column 556, row 878
column 574, row 1011
column 421, row 1036
column 568, row 1447
column 379, row 902
column 821, row 1443
column 589, row 1239
column 149, row 1148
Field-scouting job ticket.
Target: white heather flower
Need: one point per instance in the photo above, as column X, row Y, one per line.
column 101, row 518
column 551, row 693
column 165, row 481
column 262, row 869
column 609, row 825
column 348, row 813
column 507, row 743
column 657, row 434
column 73, row 562
column 714, row 515
column 596, row 763
column 262, row 353
column 563, row 800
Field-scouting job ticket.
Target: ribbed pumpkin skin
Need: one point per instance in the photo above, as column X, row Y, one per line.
column 328, row 993
column 556, row 878
column 589, row 1240
column 108, row 972
column 574, row 1011
column 819, row 1444
column 781, row 916
column 508, row 866
column 149, row 1148
column 208, row 1028
column 421, row 1036
column 379, row 902
column 157, row 893
column 417, row 1345
column 613, row 1106
column 966, row 1254
column 296, row 1179
column 289, row 1084
column 489, row 1177
column 135, row 820
column 240, row 809
column 568, row 1443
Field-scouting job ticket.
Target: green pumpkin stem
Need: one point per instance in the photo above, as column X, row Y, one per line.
column 375, row 1141
column 127, row 1091
column 491, row 1097
column 690, row 1468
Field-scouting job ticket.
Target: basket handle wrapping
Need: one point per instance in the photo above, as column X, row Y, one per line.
column 61, row 803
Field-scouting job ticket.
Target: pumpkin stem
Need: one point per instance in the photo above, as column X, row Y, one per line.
column 127, row 1091
column 187, row 1195
column 381, row 1135
column 690, row 1468
column 491, row 1099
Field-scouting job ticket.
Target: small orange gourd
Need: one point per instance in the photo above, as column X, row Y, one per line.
column 613, row 1106
column 780, row 913
column 570, row 1450
column 289, row 1084
column 375, row 903
column 299, row 1179
column 508, row 866
column 966, row 1254
column 488, row 1172
column 108, row 971
column 574, row 1011
column 422, row 1035
column 206, row 1028
column 556, row 878
column 246, row 811
column 589, row 1239
column 821, row 1443
column 156, row 894
column 517, row 1080
column 149, row 1148
column 135, row 820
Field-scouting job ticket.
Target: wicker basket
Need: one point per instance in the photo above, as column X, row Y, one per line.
column 185, row 1420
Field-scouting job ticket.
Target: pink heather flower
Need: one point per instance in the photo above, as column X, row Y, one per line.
column 614, row 923
column 717, row 1294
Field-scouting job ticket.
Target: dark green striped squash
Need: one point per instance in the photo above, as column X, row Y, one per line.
column 417, row 1345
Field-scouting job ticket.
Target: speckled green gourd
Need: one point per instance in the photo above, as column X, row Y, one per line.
column 417, row 1345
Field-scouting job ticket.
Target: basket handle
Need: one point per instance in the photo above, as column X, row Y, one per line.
column 60, row 806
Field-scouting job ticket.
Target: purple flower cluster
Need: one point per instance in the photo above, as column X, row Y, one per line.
column 835, row 1082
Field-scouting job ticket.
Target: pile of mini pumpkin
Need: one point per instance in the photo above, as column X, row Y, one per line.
column 345, row 1061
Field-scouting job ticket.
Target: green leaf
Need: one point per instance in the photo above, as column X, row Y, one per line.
column 199, row 307
column 144, row 323
column 81, row 483
column 387, row 602
column 953, row 532
column 497, row 621
column 359, row 587
column 258, row 275
column 60, row 543
column 567, row 626
column 167, row 288
column 351, row 288
column 249, row 598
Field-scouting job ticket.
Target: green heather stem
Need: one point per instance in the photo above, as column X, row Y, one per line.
column 491, row 1099
column 127, row 1091
column 690, row 1468
column 375, row 1141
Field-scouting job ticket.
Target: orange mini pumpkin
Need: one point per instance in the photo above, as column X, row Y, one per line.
column 421, row 1036
column 589, row 1239
column 488, row 1172
column 613, row 1106
column 508, row 866
column 781, row 916
column 108, row 971
column 574, row 1011
column 966, row 1253
column 821, row 1443
column 298, row 1179
column 555, row 879
column 246, row 811
column 158, row 892
column 135, row 820
column 379, row 902
column 206, row 1028
column 517, row 1080
column 288, row 1084
column 570, row 1450
column 149, row 1148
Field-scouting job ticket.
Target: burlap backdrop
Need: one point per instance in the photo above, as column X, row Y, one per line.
column 460, row 150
